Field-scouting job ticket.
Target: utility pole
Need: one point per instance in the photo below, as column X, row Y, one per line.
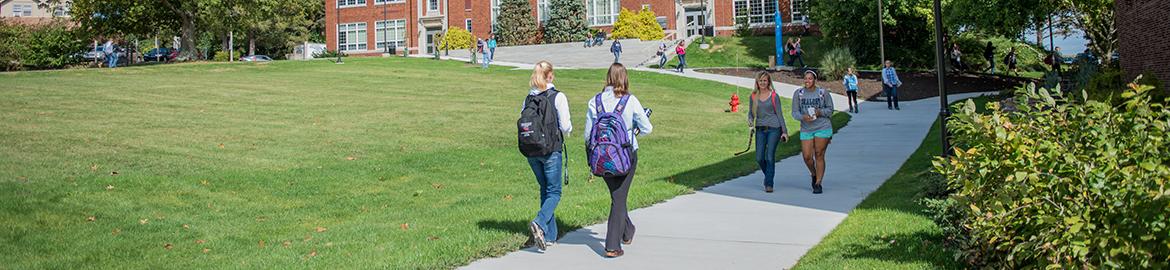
column 385, row 27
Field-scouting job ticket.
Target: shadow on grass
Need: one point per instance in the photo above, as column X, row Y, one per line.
column 760, row 48
column 908, row 248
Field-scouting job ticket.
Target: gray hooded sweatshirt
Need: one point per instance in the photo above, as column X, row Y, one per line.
column 819, row 99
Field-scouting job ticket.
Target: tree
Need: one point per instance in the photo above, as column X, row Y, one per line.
column 1096, row 19
column 642, row 25
column 1008, row 18
column 566, row 22
column 516, row 24
column 853, row 23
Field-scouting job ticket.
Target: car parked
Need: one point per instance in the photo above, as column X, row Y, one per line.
column 256, row 58
column 160, row 55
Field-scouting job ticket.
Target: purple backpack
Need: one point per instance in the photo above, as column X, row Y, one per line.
column 608, row 145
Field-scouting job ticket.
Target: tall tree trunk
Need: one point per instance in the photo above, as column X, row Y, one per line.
column 186, row 25
column 224, row 46
column 251, row 42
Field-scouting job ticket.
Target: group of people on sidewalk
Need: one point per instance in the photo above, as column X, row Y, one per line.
column 487, row 48
column 613, row 120
column 680, row 50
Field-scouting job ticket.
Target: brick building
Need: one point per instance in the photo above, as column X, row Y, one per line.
column 1144, row 37
column 369, row 26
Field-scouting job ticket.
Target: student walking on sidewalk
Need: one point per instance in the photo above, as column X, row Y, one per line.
column 764, row 118
column 814, row 109
column 544, row 119
column 609, row 115
column 681, row 51
column 850, row 82
column 989, row 55
column 890, row 84
column 616, row 49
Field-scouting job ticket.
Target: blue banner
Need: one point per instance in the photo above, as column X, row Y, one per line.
column 779, row 40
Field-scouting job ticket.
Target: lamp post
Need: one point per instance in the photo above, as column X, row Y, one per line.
column 944, row 112
column 337, row 8
column 881, row 32
column 385, row 26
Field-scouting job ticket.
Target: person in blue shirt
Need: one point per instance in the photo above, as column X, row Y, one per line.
column 491, row 43
column 890, row 84
column 850, row 82
column 616, row 49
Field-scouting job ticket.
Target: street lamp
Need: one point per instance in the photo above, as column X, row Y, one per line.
column 881, row 32
column 944, row 112
column 337, row 8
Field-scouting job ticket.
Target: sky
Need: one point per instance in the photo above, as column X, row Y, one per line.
column 1069, row 46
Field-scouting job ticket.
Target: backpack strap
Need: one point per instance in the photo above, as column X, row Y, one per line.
column 621, row 106
column 598, row 105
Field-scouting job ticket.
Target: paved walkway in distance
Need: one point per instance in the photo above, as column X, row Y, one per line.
column 734, row 224
column 573, row 54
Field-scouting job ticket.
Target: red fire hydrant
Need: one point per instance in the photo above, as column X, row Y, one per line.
column 734, row 102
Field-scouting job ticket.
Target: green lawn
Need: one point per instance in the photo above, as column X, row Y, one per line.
column 889, row 229
column 747, row 52
column 378, row 163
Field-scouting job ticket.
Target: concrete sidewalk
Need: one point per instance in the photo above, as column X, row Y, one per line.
column 734, row 224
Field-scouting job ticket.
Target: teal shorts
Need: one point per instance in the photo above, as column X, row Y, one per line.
column 824, row 133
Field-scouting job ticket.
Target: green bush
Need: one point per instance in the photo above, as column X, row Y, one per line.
column 1072, row 185
column 1028, row 57
column 566, row 22
column 515, row 24
column 225, row 56
column 457, row 38
column 642, row 25
column 836, row 62
column 48, row 46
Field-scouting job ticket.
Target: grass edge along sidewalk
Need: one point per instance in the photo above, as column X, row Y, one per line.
column 889, row 230
column 314, row 165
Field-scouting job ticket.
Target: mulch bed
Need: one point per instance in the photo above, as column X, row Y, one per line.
column 915, row 85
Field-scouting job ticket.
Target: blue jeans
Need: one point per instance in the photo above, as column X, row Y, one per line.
column 548, row 174
column 766, row 140
column 112, row 60
column 891, row 95
column 617, row 56
column 493, row 55
column 487, row 58
column 662, row 61
column 682, row 62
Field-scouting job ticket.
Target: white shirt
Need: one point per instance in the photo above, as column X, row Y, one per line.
column 562, row 104
column 634, row 115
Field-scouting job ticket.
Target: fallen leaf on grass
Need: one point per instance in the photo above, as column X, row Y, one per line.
column 114, row 173
column 90, row 218
column 204, row 182
column 200, row 241
column 143, row 221
column 321, row 229
column 168, row 246
column 206, row 250
column 109, row 187
column 437, row 185
column 405, row 226
column 185, row 226
column 313, row 253
column 508, row 197
column 221, row 146
column 286, row 243
column 432, row 238
column 116, row 231
column 93, row 167
column 261, row 244
column 350, row 158
column 308, row 237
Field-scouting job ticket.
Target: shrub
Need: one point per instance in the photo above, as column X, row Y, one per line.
column 566, row 23
column 1072, row 185
column 51, row 45
column 225, row 56
column 835, row 63
column 516, row 26
column 457, row 38
column 1028, row 57
column 742, row 27
column 642, row 25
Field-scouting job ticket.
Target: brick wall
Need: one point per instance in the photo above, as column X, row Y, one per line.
column 1144, row 37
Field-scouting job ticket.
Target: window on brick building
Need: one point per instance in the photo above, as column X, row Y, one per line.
column 495, row 12
column 392, row 32
column 757, row 11
column 542, row 10
column 351, row 36
column 467, row 23
column 379, row 2
column 350, row 3
column 800, row 10
column 601, row 12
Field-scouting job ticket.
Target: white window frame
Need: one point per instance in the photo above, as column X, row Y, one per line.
column 542, row 10
column 432, row 5
column 64, row 9
column 467, row 24
column 22, row 10
column 495, row 13
column 396, row 29
column 799, row 14
column 596, row 14
column 350, row 3
column 758, row 12
column 359, row 32
column 383, row 2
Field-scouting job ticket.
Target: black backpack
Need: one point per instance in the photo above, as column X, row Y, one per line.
column 538, row 130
